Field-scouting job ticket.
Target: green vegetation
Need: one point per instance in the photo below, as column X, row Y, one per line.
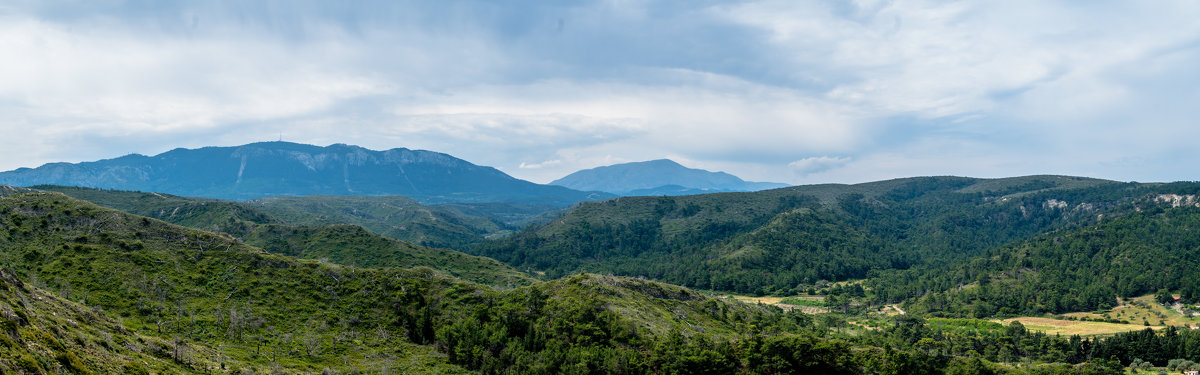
column 1146, row 248
column 342, row 244
column 929, row 275
column 785, row 241
column 445, row 225
column 40, row 332
column 353, row 245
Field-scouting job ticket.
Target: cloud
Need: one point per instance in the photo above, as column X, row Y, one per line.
column 817, row 164
column 759, row 88
column 540, row 165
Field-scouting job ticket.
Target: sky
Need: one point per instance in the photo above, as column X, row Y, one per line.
column 799, row 92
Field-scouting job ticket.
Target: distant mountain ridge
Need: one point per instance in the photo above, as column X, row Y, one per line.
column 658, row 177
column 268, row 169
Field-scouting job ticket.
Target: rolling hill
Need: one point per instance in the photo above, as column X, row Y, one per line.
column 782, row 240
column 313, row 237
column 1150, row 245
column 269, row 169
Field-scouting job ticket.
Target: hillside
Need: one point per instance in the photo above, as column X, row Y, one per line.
column 268, row 310
column 1152, row 246
column 397, row 217
column 168, row 281
column 268, row 169
column 314, row 238
column 780, row 240
column 657, row 177
column 457, row 226
column 41, row 332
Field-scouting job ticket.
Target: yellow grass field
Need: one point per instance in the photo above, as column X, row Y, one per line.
column 777, row 301
column 1071, row 327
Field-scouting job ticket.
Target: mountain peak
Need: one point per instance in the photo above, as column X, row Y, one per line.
column 657, row 177
column 265, row 169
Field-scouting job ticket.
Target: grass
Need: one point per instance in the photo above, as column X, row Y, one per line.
column 1140, row 311
column 1136, row 310
column 1063, row 327
column 806, row 304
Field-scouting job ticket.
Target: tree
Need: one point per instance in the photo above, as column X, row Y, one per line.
column 1164, row 297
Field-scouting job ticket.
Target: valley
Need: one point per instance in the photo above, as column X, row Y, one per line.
column 914, row 275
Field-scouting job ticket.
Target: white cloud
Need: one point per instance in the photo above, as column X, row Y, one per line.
column 817, row 164
column 543, row 164
column 756, row 88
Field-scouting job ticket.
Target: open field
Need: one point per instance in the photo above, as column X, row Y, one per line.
column 1072, row 327
column 1137, row 310
column 1141, row 310
column 778, row 302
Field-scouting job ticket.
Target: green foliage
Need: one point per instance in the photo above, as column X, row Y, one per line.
column 783, row 241
column 802, row 302
column 455, row 226
column 319, row 237
column 1083, row 269
column 1164, row 296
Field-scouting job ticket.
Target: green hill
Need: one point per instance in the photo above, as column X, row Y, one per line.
column 398, row 217
column 343, row 244
column 163, row 280
column 1150, row 246
column 777, row 241
column 41, row 332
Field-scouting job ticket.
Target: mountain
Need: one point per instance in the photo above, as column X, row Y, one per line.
column 657, row 177
column 786, row 240
column 268, row 169
column 302, row 235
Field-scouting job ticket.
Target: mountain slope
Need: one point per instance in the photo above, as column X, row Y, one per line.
column 267, row 169
column 1153, row 245
column 779, row 240
column 338, row 243
column 657, row 177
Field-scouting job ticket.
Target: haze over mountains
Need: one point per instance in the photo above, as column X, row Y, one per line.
column 658, row 177
column 268, row 169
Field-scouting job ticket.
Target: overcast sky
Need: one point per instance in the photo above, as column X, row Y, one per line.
column 786, row 91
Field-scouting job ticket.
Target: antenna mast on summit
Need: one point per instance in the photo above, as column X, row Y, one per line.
column 281, row 136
